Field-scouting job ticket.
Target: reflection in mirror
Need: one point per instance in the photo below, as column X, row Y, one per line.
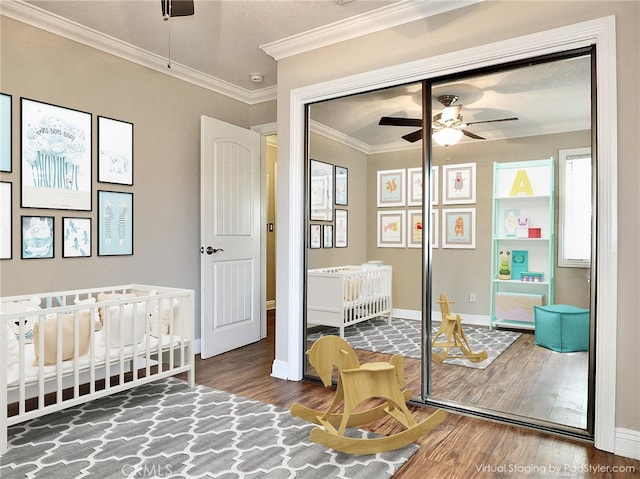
column 532, row 372
column 492, row 253
column 374, row 266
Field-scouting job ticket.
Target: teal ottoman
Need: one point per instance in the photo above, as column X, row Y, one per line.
column 562, row 328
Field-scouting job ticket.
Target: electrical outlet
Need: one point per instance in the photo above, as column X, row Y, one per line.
column 472, row 297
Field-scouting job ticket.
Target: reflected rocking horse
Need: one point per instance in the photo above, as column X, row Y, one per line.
column 451, row 329
column 356, row 384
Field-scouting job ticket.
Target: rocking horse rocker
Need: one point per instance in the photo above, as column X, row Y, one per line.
column 358, row 383
column 451, row 328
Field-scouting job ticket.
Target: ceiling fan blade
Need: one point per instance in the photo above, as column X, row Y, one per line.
column 413, row 137
column 179, row 8
column 490, row 121
column 472, row 135
column 396, row 121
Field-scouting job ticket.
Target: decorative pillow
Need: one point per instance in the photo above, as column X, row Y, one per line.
column 23, row 306
column 50, row 325
column 13, row 348
column 95, row 314
column 120, row 324
column 112, row 296
column 352, row 288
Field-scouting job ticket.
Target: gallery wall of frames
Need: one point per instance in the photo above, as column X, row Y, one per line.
column 55, row 166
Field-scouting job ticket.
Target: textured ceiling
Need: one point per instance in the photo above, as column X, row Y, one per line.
column 221, row 39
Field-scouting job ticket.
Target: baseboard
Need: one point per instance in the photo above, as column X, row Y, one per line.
column 280, row 369
column 196, row 346
column 472, row 319
column 627, row 443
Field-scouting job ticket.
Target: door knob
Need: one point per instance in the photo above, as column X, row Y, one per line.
column 211, row 250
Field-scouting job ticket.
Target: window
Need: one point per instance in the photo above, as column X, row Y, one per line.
column 575, row 198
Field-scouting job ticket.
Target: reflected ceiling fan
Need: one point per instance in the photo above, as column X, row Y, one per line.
column 448, row 125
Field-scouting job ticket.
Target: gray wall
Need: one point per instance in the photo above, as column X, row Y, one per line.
column 166, row 191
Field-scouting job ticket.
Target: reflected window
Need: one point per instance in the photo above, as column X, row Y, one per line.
column 574, row 239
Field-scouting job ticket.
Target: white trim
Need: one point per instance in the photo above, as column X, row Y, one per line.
column 376, row 20
column 628, row 443
column 266, row 128
column 50, row 22
column 600, row 32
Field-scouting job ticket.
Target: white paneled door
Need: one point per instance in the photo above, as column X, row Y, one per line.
column 230, row 237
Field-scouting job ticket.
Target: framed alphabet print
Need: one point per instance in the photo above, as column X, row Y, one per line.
column 341, row 228
column 115, row 223
column 391, row 188
column 459, row 228
column 342, row 186
column 5, row 132
column 76, row 236
column 459, row 184
column 391, row 229
column 315, row 238
column 321, row 191
column 115, row 151
column 55, row 157
column 327, row 236
column 6, row 220
column 37, row 237
column 415, row 228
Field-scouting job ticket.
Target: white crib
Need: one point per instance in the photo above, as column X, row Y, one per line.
column 66, row 348
column 345, row 295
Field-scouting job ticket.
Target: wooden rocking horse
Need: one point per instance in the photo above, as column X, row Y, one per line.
column 356, row 384
column 451, row 328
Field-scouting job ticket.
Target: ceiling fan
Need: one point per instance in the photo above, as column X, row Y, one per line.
column 448, row 125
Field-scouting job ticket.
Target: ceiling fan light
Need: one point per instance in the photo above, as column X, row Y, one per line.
column 447, row 136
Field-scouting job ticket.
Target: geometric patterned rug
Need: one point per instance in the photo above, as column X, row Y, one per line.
column 167, row 429
column 403, row 336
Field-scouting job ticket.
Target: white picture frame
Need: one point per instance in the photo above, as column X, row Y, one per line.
column 391, row 229
column 459, row 184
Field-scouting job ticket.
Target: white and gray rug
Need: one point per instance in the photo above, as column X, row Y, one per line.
column 402, row 336
column 167, row 430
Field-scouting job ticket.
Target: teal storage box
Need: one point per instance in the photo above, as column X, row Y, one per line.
column 562, row 328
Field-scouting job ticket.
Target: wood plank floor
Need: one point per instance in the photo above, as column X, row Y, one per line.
column 461, row 448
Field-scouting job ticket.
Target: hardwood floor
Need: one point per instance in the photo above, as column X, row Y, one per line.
column 461, row 448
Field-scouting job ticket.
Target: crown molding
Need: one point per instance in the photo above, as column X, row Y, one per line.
column 390, row 16
column 361, row 146
column 52, row 23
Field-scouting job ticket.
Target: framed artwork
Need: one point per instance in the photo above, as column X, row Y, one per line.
column 321, row 191
column 414, row 186
column 415, row 228
column 115, row 223
column 391, row 229
column 459, row 184
column 435, row 181
column 342, row 186
column 315, row 239
column 414, row 182
column 55, row 157
column 391, row 188
column 459, row 228
column 76, row 237
column 327, row 236
column 341, row 228
column 435, row 228
column 6, row 142
column 37, row 237
column 6, row 220
column 115, row 151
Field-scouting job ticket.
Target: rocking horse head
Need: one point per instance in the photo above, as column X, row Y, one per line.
column 329, row 352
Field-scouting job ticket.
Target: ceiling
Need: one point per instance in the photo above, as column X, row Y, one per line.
column 226, row 42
